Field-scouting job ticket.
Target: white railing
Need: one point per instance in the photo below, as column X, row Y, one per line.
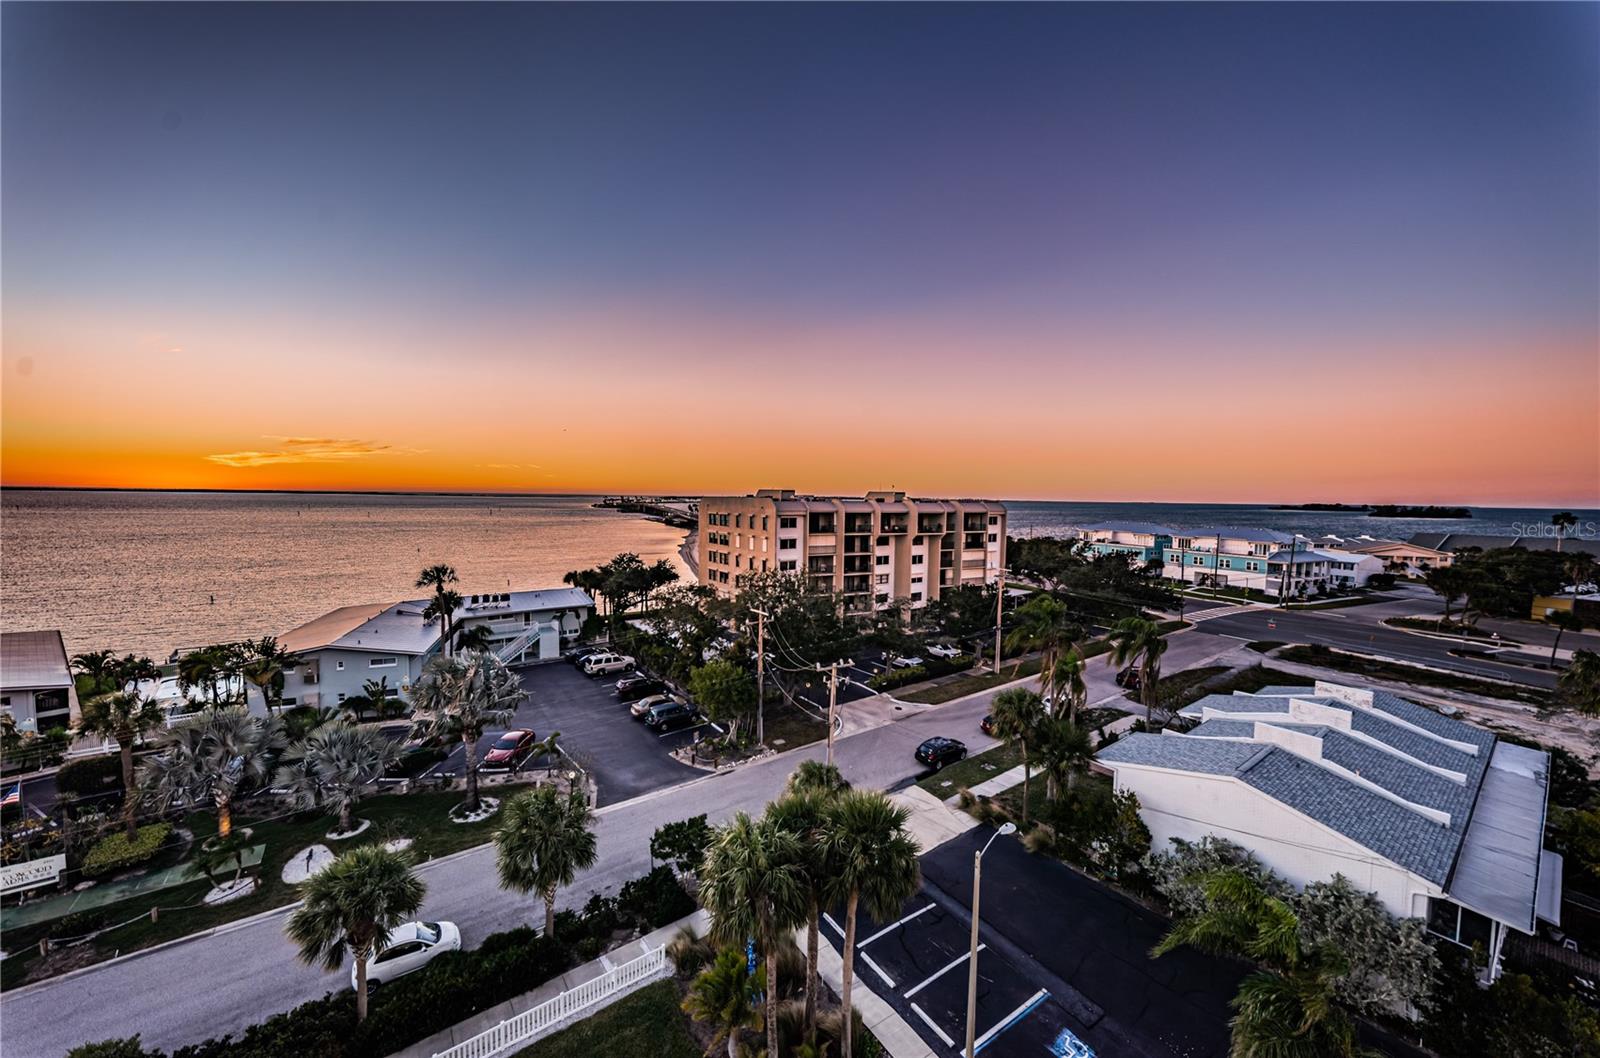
column 511, row 650
column 569, row 1005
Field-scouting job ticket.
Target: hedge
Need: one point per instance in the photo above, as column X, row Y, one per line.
column 116, row 852
column 90, row 776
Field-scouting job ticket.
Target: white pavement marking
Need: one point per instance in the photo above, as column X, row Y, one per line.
column 1010, row 1019
column 1215, row 612
column 890, row 928
column 836, row 927
column 875, row 967
column 948, row 1042
column 942, row 971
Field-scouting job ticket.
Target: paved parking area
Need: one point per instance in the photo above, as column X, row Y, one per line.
column 625, row 757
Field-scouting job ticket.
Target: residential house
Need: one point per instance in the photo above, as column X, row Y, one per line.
column 1142, row 540
column 1238, row 557
column 36, row 686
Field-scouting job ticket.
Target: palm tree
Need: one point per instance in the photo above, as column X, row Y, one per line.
column 1045, row 624
column 1017, row 716
column 95, row 671
column 445, row 601
column 333, row 764
column 200, row 668
column 1069, row 684
column 753, row 884
column 1288, row 1010
column 804, row 814
column 1563, row 522
column 217, row 755
column 1135, row 640
column 264, row 667
column 1064, row 752
column 725, row 996
column 813, row 776
column 352, row 905
column 472, row 637
column 1563, row 621
column 871, row 859
column 1579, row 684
column 544, row 839
column 125, row 715
column 460, row 697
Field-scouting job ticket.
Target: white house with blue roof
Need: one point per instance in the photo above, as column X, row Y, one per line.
column 1439, row 819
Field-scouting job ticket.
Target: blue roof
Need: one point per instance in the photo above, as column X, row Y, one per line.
column 1149, row 528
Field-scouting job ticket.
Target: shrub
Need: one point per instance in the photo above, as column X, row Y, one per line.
column 127, row 1048
column 1174, row 874
column 883, row 681
column 682, row 844
column 654, row 900
column 90, row 776
column 116, row 852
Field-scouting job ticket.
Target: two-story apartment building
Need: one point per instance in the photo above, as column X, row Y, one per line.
column 874, row 550
column 1142, row 540
column 343, row 649
column 36, row 686
column 1439, row 819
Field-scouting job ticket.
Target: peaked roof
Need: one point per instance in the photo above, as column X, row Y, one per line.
column 33, row 661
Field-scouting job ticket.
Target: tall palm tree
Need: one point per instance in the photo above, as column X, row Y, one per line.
column 725, row 996
column 1136, row 641
column 1017, row 715
column 1563, row 621
column 461, row 697
column 1563, row 522
column 544, row 839
column 445, row 602
column 753, row 885
column 804, row 814
column 814, row 776
column 217, row 756
column 1579, row 684
column 124, row 713
column 333, row 764
column 1069, row 684
column 201, row 668
column 352, row 905
column 1064, row 752
column 872, row 860
column 1042, row 623
column 95, row 671
column 264, row 667
column 472, row 637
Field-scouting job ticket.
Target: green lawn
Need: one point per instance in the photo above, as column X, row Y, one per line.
column 962, row 686
column 1413, row 674
column 645, row 1022
column 793, row 727
column 419, row 816
column 1179, row 689
column 972, row 771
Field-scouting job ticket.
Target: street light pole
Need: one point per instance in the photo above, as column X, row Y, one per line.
column 972, row 952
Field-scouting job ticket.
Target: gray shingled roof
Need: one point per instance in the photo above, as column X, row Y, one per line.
column 1421, row 747
column 1236, row 703
column 1210, row 756
column 1400, row 777
column 1429, row 720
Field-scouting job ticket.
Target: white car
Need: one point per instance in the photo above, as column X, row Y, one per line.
column 602, row 664
column 411, row 947
column 905, row 662
column 945, row 652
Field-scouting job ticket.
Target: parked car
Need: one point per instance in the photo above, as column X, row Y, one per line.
column 1129, row 678
column 509, row 749
column 410, row 947
column 632, row 688
column 576, row 655
column 939, row 751
column 642, row 707
column 986, row 725
column 905, row 662
column 671, row 713
column 939, row 650
column 606, row 662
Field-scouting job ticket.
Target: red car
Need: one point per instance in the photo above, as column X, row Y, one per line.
column 509, row 749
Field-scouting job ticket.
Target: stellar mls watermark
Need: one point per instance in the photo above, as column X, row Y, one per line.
column 1578, row 531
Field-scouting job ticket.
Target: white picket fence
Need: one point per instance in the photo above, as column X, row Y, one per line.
column 569, row 1005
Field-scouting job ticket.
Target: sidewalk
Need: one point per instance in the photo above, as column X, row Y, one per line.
column 488, row 1019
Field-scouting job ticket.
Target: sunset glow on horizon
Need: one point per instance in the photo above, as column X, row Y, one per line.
column 1131, row 253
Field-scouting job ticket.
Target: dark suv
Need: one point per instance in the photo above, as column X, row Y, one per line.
column 669, row 714
column 1128, row 678
column 939, row 751
column 632, row 688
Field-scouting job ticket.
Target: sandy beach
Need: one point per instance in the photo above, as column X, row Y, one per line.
column 689, row 551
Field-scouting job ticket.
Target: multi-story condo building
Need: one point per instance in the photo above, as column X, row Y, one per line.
column 1145, row 542
column 1247, row 558
column 1437, row 818
column 875, row 550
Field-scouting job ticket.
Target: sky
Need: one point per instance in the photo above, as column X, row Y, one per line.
column 1273, row 253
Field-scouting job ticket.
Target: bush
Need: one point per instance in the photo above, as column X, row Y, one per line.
column 128, row 1048
column 1175, row 874
column 883, row 681
column 117, row 853
column 682, row 844
column 90, row 776
column 654, row 900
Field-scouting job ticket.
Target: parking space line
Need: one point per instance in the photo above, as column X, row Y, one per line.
column 1010, row 1019
column 876, row 968
column 948, row 1042
column 836, row 927
column 892, row 927
column 942, row 971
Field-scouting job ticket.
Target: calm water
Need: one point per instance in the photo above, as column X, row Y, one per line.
column 137, row 571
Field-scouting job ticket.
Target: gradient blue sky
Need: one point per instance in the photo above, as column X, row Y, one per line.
column 1136, row 216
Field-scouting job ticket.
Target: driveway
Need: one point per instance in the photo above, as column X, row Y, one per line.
column 625, row 757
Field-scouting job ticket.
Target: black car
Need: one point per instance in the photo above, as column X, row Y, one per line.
column 669, row 714
column 986, row 725
column 632, row 688
column 1129, row 678
column 939, row 751
column 576, row 655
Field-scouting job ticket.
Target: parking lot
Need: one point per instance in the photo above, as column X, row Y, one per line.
column 1064, row 966
column 625, row 757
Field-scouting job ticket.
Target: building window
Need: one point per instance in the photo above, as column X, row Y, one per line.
column 994, row 538
column 916, row 560
column 339, row 667
column 916, row 580
column 341, row 696
column 916, row 596
column 882, row 578
column 786, row 523
column 382, row 663
column 763, row 523
column 786, row 566
column 994, row 520
column 1226, row 563
column 1457, row 924
column 881, row 560
column 738, row 521
column 787, row 545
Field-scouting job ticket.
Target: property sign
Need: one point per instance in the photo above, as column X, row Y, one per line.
column 30, row 875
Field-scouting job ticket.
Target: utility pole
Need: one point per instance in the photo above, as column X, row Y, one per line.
column 1216, row 565
column 833, row 698
column 761, row 677
column 1283, row 580
column 999, row 616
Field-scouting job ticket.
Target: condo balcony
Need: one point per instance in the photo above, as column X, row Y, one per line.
column 894, row 524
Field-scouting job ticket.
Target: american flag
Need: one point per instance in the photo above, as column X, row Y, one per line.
column 13, row 795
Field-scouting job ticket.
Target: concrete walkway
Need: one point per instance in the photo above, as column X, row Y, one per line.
column 488, row 1019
